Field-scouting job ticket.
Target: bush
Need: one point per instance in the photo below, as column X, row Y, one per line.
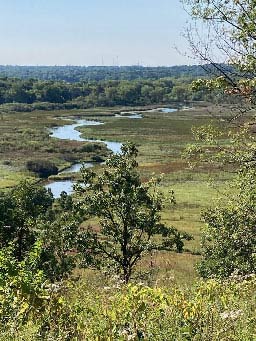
column 33, row 309
column 42, row 168
column 229, row 239
column 97, row 158
column 91, row 147
column 30, row 307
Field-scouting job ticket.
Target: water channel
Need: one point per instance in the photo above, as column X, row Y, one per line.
column 69, row 132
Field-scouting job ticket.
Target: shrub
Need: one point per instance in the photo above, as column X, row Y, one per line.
column 209, row 311
column 42, row 168
column 91, row 147
column 97, row 158
column 30, row 307
column 229, row 240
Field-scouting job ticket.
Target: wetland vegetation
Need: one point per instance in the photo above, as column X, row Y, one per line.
column 156, row 240
column 161, row 138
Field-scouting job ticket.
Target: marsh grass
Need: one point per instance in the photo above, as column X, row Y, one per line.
column 160, row 138
column 26, row 136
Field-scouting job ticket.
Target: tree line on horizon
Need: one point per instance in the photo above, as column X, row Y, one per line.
column 73, row 74
column 31, row 94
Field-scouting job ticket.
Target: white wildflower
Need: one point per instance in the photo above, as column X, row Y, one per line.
column 232, row 315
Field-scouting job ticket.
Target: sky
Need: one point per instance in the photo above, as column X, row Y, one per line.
column 92, row 32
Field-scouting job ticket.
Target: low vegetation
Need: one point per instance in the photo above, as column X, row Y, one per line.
column 42, row 168
column 82, row 310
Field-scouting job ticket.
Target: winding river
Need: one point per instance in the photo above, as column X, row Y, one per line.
column 70, row 132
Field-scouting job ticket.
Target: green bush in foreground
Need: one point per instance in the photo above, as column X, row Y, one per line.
column 229, row 243
column 212, row 310
column 30, row 307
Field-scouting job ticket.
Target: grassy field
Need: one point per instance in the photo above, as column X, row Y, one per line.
column 161, row 139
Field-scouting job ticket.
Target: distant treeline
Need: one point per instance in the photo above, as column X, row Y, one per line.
column 25, row 88
column 25, row 95
column 74, row 74
column 93, row 92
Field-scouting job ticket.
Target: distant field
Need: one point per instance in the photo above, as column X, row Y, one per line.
column 161, row 139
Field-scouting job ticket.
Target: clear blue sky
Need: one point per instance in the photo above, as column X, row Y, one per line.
column 91, row 32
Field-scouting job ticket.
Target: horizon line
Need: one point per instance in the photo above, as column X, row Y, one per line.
column 102, row 66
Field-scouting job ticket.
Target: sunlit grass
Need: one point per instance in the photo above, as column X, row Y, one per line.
column 10, row 177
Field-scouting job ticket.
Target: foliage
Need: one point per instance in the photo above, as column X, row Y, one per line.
column 30, row 307
column 58, row 234
column 222, row 147
column 22, row 286
column 73, row 74
column 20, row 209
column 230, row 237
column 27, row 214
column 230, row 27
column 59, row 237
column 212, row 310
column 49, row 95
column 128, row 212
column 229, row 241
column 43, row 168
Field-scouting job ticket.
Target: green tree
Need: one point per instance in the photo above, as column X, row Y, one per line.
column 58, row 235
column 229, row 238
column 128, row 213
column 27, row 215
column 229, row 241
column 180, row 93
column 22, row 286
column 20, row 209
column 43, row 168
column 229, row 33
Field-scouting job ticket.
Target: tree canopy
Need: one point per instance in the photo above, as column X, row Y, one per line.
column 228, row 36
column 229, row 242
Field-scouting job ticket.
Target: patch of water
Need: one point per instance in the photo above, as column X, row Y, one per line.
column 165, row 110
column 77, row 166
column 129, row 114
column 59, row 186
column 69, row 132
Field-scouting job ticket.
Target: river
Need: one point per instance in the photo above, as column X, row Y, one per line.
column 70, row 132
